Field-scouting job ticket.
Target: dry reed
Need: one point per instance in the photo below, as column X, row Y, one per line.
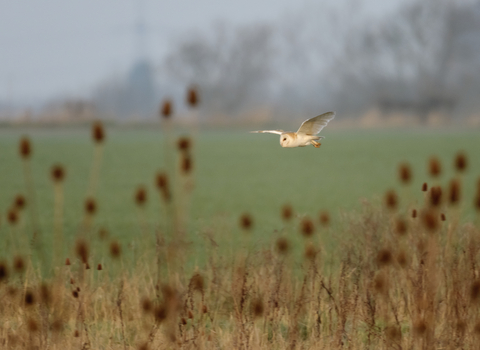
column 401, row 278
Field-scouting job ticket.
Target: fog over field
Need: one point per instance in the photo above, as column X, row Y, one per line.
column 413, row 60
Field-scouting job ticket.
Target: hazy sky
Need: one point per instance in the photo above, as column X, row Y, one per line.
column 60, row 47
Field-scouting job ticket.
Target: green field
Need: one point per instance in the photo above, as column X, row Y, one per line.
column 375, row 278
column 234, row 172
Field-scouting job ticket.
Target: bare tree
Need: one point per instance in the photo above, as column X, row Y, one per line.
column 421, row 57
column 232, row 66
column 311, row 43
column 413, row 60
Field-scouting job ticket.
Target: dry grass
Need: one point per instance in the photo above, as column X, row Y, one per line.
column 405, row 276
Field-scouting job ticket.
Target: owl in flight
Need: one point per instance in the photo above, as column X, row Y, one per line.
column 306, row 135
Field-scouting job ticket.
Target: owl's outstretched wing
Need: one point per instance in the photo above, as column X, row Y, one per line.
column 279, row 132
column 314, row 125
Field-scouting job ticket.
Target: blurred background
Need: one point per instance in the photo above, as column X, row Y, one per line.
column 374, row 62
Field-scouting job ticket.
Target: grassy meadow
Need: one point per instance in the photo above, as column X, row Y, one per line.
column 223, row 264
column 234, row 172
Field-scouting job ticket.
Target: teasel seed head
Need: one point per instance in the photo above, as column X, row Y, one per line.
column 161, row 313
column 98, row 132
column 58, row 173
column 246, row 222
column 168, row 293
column 45, row 294
column 287, row 212
column 19, row 264
column 306, row 227
column 430, row 220
column 146, row 305
column 324, row 218
column 75, row 294
column 57, row 326
column 29, row 298
column 141, row 196
column 424, row 187
column 166, row 109
column 90, row 206
column 443, row 217
column 99, row 267
column 19, row 202
column 162, row 180
column 384, row 257
column 414, row 213
column 257, row 307
column 32, row 325
column 454, row 192
column 184, row 143
column 391, row 200
column 76, row 334
column 405, row 173
column 197, row 283
column 380, row 284
column 72, row 281
column 67, row 262
column 475, row 291
column 82, row 250
column 25, row 147
column 115, row 249
column 12, row 216
column 143, row 346
column 282, row 245
column 192, row 96
column 204, row 309
column 401, row 226
column 435, row 196
column 186, row 163
column 434, row 167
column 3, row 271
column 163, row 185
column 461, row 162
column 420, row 327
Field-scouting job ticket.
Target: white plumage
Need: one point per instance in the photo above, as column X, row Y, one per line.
column 306, row 134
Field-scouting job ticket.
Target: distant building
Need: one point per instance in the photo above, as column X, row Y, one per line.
column 131, row 97
column 135, row 95
column 140, row 94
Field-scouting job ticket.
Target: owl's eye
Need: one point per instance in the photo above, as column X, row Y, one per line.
column 285, row 139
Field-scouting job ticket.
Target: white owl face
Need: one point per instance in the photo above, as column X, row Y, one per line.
column 286, row 140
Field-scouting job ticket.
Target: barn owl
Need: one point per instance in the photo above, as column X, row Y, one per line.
column 306, row 135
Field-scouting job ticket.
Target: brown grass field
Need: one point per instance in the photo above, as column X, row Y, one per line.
column 404, row 275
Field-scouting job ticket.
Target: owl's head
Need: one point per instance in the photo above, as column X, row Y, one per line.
column 285, row 140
